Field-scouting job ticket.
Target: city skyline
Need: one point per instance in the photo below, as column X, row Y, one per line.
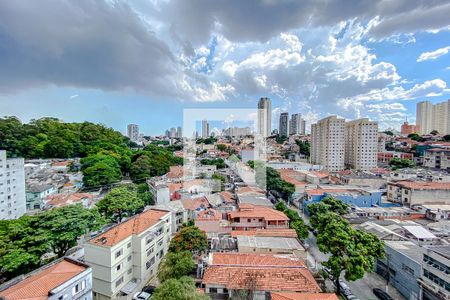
column 376, row 62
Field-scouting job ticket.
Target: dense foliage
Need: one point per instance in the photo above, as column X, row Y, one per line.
column 400, row 163
column 446, row 138
column 218, row 162
column 123, row 201
column 176, row 265
column 416, row 137
column 189, row 238
column 351, row 251
column 296, row 222
column 269, row 179
column 178, row 289
column 207, row 141
column 26, row 242
column 52, row 138
column 305, row 147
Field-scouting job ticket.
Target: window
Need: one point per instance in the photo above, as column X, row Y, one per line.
column 118, row 267
column 119, row 281
column 150, row 263
column 129, row 245
column 119, row 253
column 129, row 271
column 150, row 251
column 129, row 258
column 213, row 290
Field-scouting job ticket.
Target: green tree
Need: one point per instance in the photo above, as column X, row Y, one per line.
column 222, row 147
column 64, row 225
column 351, row 251
column 416, row 137
column 446, row 138
column 218, row 162
column 434, row 132
column 304, row 146
column 189, row 238
column 388, row 132
column 143, row 192
column 178, row 289
column 100, row 169
column 221, row 178
column 120, row 202
column 400, row 163
column 141, row 169
column 327, row 205
column 296, row 222
column 176, row 265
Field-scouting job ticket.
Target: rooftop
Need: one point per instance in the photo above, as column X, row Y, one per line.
column 441, row 250
column 135, row 225
column 275, row 232
column 255, row 211
column 269, row 242
column 255, row 260
column 422, row 185
column 38, row 284
column 407, row 248
column 60, row 200
column 303, row 296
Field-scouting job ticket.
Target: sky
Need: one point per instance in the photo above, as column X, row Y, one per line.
column 145, row 61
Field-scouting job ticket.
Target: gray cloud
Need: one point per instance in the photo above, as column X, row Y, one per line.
column 85, row 43
column 259, row 20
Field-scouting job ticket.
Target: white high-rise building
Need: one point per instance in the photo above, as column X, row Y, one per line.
column 173, row 132
column 361, row 144
column 303, row 127
column 264, row 117
column 283, row 129
column 433, row 117
column 327, row 143
column 12, row 187
column 296, row 125
column 133, row 132
column 237, row 131
column 205, row 129
column 179, row 132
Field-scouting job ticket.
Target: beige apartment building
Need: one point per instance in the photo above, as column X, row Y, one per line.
column 125, row 257
column 433, row 117
column 361, row 142
column 328, row 143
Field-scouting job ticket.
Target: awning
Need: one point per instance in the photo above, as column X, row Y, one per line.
column 129, row 287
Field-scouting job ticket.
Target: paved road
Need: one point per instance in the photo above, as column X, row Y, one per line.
column 361, row 288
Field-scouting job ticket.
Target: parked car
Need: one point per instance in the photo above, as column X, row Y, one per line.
column 382, row 294
column 149, row 289
column 345, row 290
column 351, row 297
column 142, row 296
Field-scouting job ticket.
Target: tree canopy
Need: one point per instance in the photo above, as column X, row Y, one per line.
column 120, row 202
column 176, row 265
column 218, row 162
column 178, row 289
column 189, row 238
column 296, row 222
column 400, row 163
column 304, row 146
column 269, row 179
column 24, row 241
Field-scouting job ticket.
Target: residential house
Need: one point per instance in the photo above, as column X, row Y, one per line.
column 302, row 296
column 64, row 278
column 270, row 245
column 256, row 275
column 37, row 194
column 125, row 257
column 353, row 196
column 250, row 217
column 60, row 200
column 411, row 193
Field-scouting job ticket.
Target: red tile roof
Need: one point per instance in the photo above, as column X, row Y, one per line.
column 303, row 296
column 255, row 211
column 255, row 260
column 135, row 225
column 261, row 272
column 208, row 215
column 60, row 200
column 37, row 286
column 227, row 197
column 193, row 204
column 275, row 232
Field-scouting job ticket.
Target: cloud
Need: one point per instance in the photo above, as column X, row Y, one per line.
column 87, row 43
column 433, row 54
column 74, row 96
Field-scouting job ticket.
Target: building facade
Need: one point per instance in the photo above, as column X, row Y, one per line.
column 407, row 129
column 133, row 132
column 438, row 158
column 297, row 124
column 361, row 142
column 283, row 129
column 264, row 117
column 328, row 143
column 205, row 129
column 12, row 187
column 435, row 280
column 124, row 258
column 433, row 117
column 411, row 193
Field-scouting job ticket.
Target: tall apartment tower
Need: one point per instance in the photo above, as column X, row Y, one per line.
column 441, row 116
column 205, row 129
column 283, row 129
column 12, row 187
column 361, row 144
column 264, row 117
column 295, row 124
column 433, row 117
column 328, row 143
column 179, row 132
column 303, row 127
column 133, row 132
